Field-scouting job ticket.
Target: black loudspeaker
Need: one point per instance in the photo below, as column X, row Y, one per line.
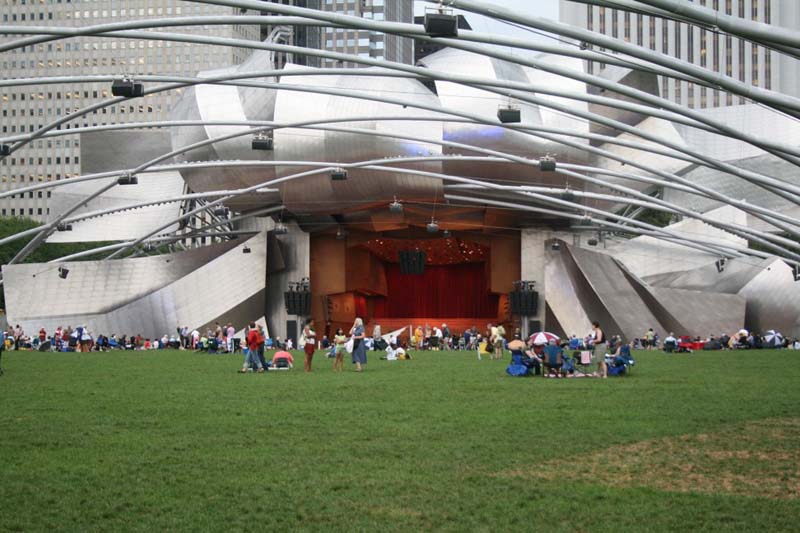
column 507, row 115
column 523, row 303
column 261, row 143
column 412, row 262
column 127, row 88
column 298, row 302
column 441, row 24
column 291, row 331
column 5, row 149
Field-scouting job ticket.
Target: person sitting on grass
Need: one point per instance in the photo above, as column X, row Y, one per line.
column 282, row 355
column 393, row 351
column 553, row 358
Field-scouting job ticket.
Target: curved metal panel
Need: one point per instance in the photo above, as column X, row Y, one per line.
column 486, row 104
column 320, row 193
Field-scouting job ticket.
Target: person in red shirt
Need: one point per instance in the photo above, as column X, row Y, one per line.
column 253, row 340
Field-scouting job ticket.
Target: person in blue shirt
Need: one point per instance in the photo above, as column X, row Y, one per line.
column 553, row 358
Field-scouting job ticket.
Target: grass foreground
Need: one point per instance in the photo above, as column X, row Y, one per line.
column 169, row 440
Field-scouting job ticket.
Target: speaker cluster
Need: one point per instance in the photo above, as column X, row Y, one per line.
column 412, row 262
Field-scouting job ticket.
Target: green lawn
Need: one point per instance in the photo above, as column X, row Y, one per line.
column 176, row 440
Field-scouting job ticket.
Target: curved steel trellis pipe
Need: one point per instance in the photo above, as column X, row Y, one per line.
column 437, row 109
column 781, row 150
column 748, row 233
column 469, row 147
column 728, row 168
column 770, row 98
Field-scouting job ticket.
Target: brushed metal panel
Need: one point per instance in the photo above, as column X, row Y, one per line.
column 319, row 193
column 123, row 225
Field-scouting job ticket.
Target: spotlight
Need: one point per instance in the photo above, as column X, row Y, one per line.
column 441, row 23
column 568, row 195
column 127, row 87
column 280, row 229
column 720, row 264
column 395, row 207
column 796, row 272
column 446, row 234
column 128, row 179
column 556, row 246
column 63, row 272
column 64, row 227
column 246, row 250
column 338, row 174
column 508, row 114
column 592, row 242
column 220, row 211
column 341, row 233
column 530, row 285
column 547, row 164
column 433, row 227
column 5, row 149
column 262, row 142
column 305, row 284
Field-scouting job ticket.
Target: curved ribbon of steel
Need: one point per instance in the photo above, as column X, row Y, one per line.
column 754, row 210
column 719, row 165
column 777, row 149
column 744, row 232
column 743, row 173
column 770, row 98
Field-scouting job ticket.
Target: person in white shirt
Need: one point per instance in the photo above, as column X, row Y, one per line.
column 393, row 351
column 289, row 344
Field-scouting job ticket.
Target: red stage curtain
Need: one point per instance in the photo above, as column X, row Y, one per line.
column 452, row 291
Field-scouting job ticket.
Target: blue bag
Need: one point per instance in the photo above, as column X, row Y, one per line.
column 517, row 370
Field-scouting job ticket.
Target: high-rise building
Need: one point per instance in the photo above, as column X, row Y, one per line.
column 26, row 109
column 303, row 36
column 366, row 43
column 719, row 52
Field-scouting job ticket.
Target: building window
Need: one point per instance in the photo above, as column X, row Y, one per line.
column 639, row 29
column 703, row 46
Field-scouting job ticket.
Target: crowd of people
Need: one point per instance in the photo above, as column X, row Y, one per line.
column 549, row 358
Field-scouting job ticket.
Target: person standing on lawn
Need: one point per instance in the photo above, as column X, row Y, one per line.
column 251, row 357
column 600, row 347
column 359, row 348
column 311, row 343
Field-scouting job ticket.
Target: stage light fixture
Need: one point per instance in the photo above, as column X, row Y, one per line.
column 441, row 23
column 796, row 272
column 509, row 114
column 220, row 211
column 341, row 233
column 127, row 179
column 592, row 242
column 432, row 227
column 446, row 234
column 338, row 174
column 547, row 164
column 567, row 195
column 280, row 229
column 556, row 246
column 262, row 141
column 305, row 283
column 395, row 206
column 127, row 87
column 720, row 264
column 64, row 227
column 63, row 272
column 5, row 149
column 246, row 250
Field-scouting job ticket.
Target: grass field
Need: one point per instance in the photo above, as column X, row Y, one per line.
column 175, row 440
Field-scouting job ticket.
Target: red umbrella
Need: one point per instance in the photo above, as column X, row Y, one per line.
column 543, row 337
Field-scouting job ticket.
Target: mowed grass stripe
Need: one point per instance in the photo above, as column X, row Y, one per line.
column 178, row 440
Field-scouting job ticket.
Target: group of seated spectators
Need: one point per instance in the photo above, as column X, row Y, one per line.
column 739, row 341
column 568, row 358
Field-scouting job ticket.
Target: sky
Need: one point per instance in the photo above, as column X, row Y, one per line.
column 541, row 8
